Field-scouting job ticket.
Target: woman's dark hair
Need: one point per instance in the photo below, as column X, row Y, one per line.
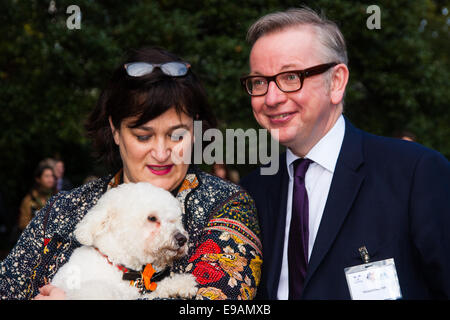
column 146, row 98
column 39, row 171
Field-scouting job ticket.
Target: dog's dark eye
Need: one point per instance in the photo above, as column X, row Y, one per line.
column 152, row 219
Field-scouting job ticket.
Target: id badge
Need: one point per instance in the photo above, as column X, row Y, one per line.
column 373, row 281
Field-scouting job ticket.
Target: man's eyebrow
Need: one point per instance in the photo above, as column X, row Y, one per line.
column 286, row 67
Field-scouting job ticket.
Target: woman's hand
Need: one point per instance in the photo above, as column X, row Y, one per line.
column 50, row 292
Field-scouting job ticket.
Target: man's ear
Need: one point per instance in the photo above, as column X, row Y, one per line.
column 114, row 130
column 339, row 82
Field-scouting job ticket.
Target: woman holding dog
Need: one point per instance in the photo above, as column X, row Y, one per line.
column 143, row 128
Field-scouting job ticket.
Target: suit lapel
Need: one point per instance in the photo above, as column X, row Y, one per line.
column 347, row 180
column 276, row 204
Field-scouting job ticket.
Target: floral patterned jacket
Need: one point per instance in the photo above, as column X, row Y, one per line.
column 224, row 249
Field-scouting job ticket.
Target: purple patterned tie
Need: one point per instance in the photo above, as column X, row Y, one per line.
column 299, row 231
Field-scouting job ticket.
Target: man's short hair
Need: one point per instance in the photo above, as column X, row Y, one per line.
column 327, row 31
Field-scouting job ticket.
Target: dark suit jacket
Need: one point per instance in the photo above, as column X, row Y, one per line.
column 390, row 195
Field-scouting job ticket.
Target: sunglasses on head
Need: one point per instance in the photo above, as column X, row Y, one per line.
column 173, row 69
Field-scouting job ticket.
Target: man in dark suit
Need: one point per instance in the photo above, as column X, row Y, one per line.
column 342, row 197
column 62, row 183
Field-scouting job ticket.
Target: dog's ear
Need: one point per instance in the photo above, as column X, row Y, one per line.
column 96, row 223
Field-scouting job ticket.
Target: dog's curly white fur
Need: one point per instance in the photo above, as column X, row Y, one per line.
column 133, row 224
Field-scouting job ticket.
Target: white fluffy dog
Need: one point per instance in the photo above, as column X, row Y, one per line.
column 131, row 226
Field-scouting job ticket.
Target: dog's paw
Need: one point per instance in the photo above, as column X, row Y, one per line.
column 177, row 286
column 187, row 285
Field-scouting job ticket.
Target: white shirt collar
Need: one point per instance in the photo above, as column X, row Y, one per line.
column 325, row 153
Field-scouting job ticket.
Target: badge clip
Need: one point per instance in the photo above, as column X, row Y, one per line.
column 364, row 254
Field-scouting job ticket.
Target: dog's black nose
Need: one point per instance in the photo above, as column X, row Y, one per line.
column 181, row 239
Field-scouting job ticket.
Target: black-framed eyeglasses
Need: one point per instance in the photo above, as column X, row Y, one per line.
column 173, row 69
column 287, row 81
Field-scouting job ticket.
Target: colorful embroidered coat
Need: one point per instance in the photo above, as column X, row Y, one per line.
column 224, row 248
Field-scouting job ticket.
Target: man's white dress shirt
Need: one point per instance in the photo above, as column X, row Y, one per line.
column 317, row 182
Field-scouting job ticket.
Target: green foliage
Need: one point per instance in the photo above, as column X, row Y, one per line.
column 50, row 76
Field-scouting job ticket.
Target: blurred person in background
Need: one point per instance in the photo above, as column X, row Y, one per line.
column 62, row 183
column 43, row 188
column 405, row 135
column 220, row 170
